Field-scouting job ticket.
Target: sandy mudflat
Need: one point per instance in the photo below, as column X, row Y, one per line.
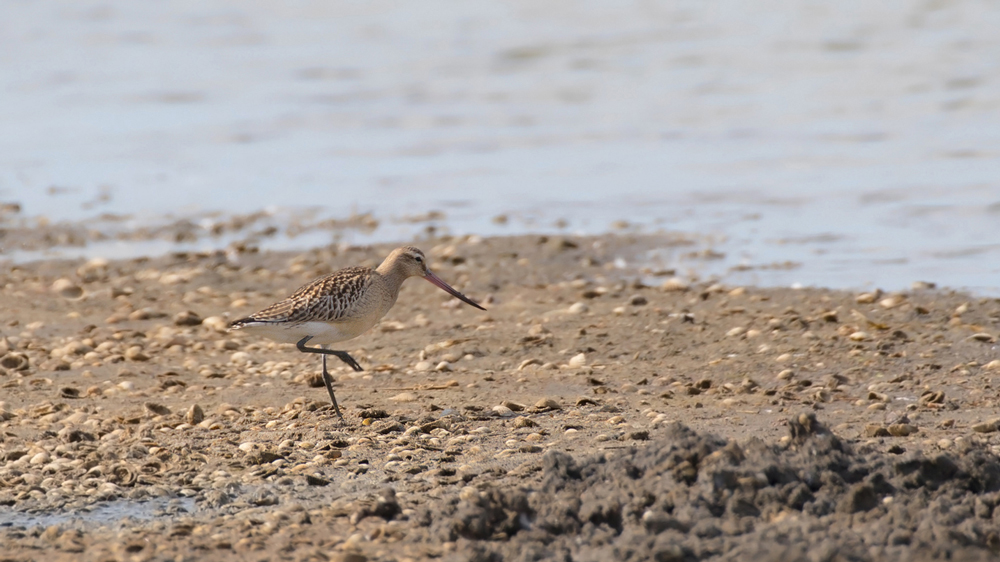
column 586, row 416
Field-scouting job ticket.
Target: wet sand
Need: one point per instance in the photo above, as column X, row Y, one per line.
column 592, row 413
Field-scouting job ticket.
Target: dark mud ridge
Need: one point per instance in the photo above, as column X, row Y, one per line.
column 689, row 496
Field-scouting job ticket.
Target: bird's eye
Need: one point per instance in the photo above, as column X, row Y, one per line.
column 419, row 259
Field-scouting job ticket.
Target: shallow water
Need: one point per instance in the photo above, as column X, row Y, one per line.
column 858, row 143
column 116, row 513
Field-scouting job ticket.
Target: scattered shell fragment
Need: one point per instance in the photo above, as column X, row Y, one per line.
column 216, row 323
column 15, row 362
column 527, row 363
column 194, row 415
column 675, row 284
column 67, row 289
column 901, row 429
column 875, row 430
column 986, row 426
column 547, row 404
column 187, row 318
column 892, row 301
column 932, row 397
column 868, row 298
column 388, row 426
column 239, row 358
column 503, row 411
column 158, row 409
column 146, row 314
column 135, row 353
column 513, row 405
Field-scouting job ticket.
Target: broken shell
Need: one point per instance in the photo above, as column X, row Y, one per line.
column 187, row 318
column 195, row 415
column 67, row 289
column 675, row 284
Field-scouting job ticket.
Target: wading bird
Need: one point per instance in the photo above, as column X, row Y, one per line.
column 341, row 306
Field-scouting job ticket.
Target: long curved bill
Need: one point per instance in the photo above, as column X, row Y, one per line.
column 447, row 288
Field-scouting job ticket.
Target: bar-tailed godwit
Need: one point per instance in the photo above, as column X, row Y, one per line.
column 341, row 306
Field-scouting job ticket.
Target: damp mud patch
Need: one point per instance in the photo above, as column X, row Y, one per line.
column 690, row 496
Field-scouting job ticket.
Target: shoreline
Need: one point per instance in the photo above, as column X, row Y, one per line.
column 711, row 251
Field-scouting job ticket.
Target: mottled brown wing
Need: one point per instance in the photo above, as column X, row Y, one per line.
column 326, row 299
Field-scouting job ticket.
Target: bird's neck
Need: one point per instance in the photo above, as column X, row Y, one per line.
column 391, row 276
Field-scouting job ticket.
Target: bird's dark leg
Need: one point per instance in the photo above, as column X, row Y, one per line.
column 342, row 355
column 327, row 380
column 329, row 388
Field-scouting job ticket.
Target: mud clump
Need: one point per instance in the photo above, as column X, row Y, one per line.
column 690, row 496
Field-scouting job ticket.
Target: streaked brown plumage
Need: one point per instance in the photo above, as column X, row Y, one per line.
column 326, row 299
column 341, row 306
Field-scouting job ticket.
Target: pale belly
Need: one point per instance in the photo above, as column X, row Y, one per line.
column 322, row 333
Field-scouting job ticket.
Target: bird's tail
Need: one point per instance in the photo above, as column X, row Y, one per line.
column 237, row 324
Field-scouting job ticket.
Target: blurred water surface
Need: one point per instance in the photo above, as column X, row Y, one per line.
column 859, row 141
